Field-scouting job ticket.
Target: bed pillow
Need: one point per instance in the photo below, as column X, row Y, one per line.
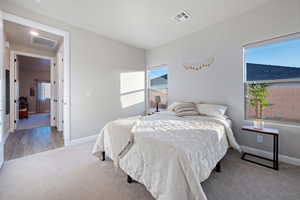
column 187, row 113
column 186, row 109
column 171, row 107
column 211, row 110
column 185, row 105
column 178, row 104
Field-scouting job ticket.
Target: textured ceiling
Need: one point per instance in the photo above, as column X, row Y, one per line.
column 141, row 23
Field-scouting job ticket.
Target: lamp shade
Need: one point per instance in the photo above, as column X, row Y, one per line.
column 157, row 99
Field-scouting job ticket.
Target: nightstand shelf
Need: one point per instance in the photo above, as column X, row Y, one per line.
column 265, row 131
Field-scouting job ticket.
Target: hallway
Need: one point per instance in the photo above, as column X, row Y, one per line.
column 34, row 121
column 31, row 141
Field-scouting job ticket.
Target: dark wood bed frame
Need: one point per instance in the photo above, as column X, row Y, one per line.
column 130, row 180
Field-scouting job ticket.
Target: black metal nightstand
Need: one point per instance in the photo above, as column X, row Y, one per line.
column 265, row 131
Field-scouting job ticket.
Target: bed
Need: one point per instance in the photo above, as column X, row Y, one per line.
column 170, row 155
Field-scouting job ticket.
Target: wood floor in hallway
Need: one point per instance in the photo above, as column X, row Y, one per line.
column 26, row 142
column 34, row 121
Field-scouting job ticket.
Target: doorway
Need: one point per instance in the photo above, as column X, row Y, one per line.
column 38, row 96
column 34, row 92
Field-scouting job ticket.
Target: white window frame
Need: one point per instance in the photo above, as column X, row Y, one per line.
column 148, row 83
column 274, row 40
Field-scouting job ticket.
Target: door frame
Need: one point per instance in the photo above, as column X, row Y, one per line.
column 2, row 94
column 13, row 107
column 66, row 43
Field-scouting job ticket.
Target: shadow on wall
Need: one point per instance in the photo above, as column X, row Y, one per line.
column 132, row 90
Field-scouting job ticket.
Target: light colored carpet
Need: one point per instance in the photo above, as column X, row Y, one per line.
column 73, row 174
column 34, row 121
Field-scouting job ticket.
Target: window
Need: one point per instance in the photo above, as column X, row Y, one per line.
column 276, row 63
column 158, row 87
column 44, row 91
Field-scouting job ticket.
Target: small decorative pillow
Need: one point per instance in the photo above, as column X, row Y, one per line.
column 184, row 109
column 211, row 110
column 171, row 107
column 185, row 105
column 187, row 113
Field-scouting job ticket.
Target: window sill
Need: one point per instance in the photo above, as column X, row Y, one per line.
column 276, row 123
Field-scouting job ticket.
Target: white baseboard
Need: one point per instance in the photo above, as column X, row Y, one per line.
column 91, row 138
column 267, row 154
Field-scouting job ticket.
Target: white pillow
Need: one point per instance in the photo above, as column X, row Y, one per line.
column 211, row 110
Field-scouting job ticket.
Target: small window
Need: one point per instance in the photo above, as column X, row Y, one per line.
column 276, row 64
column 158, row 87
column 44, row 91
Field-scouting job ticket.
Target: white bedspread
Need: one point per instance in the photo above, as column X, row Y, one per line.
column 170, row 155
column 114, row 137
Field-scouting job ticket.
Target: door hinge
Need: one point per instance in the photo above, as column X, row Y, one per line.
column 15, row 80
column 15, row 121
column 15, row 60
column 15, row 101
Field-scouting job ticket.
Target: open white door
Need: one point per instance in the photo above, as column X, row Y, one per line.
column 60, row 81
column 53, row 100
column 2, row 85
column 56, row 95
column 16, row 91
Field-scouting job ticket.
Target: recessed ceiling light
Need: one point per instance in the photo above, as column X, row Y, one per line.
column 34, row 33
column 182, row 16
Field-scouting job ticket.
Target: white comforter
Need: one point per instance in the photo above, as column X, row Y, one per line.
column 170, row 155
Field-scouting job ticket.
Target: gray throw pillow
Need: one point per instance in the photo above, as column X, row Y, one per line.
column 187, row 113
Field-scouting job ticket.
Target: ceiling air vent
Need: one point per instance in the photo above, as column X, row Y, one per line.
column 182, row 16
column 42, row 41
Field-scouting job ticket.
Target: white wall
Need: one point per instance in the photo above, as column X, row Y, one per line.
column 223, row 81
column 97, row 65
